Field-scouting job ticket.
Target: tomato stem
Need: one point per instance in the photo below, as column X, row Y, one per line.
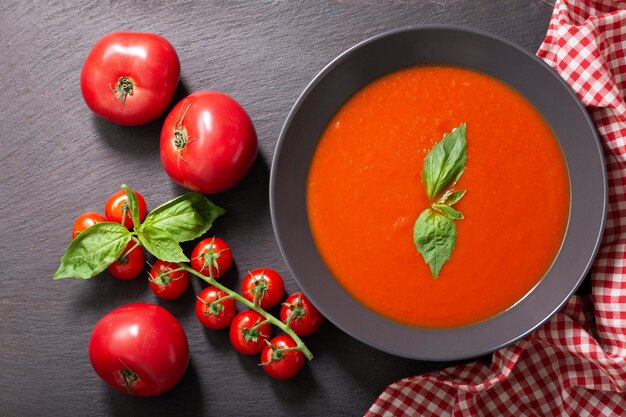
column 180, row 138
column 124, row 88
column 128, row 376
column 273, row 320
column 297, row 311
column 259, row 324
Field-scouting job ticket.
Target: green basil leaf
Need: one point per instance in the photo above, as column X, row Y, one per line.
column 445, row 162
column 161, row 244
column 185, row 218
column 452, row 197
column 434, row 236
column 448, row 211
column 93, row 250
column 133, row 205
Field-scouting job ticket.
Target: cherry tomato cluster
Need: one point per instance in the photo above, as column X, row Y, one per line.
column 249, row 331
column 166, row 279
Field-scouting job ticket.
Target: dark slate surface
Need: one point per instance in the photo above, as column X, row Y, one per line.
column 59, row 160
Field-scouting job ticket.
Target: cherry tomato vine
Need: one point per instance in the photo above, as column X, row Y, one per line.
column 188, row 217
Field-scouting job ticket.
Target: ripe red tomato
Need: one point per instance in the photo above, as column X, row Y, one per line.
column 85, row 221
column 116, row 208
column 214, row 314
column 305, row 318
column 139, row 349
column 282, row 365
column 208, row 142
column 130, row 264
column 212, row 257
column 130, row 78
column 244, row 337
column 264, row 287
column 166, row 284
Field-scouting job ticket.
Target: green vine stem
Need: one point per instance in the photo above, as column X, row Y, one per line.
column 273, row 320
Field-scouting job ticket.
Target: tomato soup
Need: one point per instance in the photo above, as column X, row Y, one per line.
column 365, row 192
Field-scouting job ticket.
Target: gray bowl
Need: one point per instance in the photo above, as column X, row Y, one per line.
column 472, row 49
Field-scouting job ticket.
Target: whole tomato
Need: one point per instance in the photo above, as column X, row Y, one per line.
column 116, row 208
column 208, row 142
column 212, row 257
column 212, row 310
column 281, row 364
column 85, row 221
column 264, row 287
column 130, row 264
column 167, row 280
column 304, row 319
column 139, row 349
column 246, row 335
column 130, row 78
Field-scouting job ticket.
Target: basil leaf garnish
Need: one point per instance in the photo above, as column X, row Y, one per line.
column 161, row 244
column 93, row 250
column 445, row 162
column 133, row 205
column 434, row 232
column 452, row 197
column 448, row 211
column 184, row 218
column 434, row 235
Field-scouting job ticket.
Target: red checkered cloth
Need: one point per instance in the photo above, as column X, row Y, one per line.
column 575, row 365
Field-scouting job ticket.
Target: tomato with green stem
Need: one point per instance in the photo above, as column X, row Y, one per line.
column 300, row 314
column 212, row 257
column 86, row 220
column 116, row 209
column 139, row 349
column 264, row 287
column 281, row 359
column 130, row 264
column 249, row 331
column 214, row 308
column 130, row 78
column 168, row 280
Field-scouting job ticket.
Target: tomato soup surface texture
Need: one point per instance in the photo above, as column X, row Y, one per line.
column 365, row 193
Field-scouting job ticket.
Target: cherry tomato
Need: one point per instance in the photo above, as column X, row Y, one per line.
column 208, row 142
column 139, row 349
column 305, row 318
column 212, row 257
column 285, row 364
column 130, row 78
column 166, row 284
column 264, row 287
column 85, row 221
column 116, row 208
column 244, row 337
column 130, row 264
column 215, row 314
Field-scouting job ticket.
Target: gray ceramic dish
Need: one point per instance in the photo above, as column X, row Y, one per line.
column 451, row 46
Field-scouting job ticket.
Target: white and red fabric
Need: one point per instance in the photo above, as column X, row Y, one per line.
column 575, row 365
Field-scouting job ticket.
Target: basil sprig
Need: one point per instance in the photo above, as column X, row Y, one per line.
column 184, row 218
column 434, row 232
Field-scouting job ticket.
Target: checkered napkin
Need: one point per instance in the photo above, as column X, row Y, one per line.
column 575, row 365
